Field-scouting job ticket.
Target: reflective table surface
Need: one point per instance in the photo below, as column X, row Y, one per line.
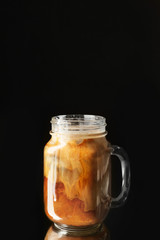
column 54, row 234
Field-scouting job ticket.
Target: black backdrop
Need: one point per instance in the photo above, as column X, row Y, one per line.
column 62, row 57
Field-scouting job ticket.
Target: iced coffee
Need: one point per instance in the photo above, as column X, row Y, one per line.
column 77, row 179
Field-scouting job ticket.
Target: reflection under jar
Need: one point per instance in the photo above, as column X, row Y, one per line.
column 55, row 234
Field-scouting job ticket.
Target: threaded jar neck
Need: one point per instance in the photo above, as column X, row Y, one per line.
column 82, row 124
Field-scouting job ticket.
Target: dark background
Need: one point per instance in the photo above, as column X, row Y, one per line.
column 60, row 57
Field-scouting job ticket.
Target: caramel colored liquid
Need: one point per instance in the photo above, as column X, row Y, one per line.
column 77, row 181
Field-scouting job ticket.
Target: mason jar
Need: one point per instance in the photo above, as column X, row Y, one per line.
column 77, row 174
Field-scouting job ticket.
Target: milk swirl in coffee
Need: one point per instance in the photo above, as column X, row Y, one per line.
column 76, row 179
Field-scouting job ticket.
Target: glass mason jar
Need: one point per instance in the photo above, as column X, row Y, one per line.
column 77, row 174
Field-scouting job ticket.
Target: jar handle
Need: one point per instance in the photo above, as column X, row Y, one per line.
column 125, row 168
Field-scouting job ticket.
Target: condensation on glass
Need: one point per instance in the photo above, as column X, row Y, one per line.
column 77, row 174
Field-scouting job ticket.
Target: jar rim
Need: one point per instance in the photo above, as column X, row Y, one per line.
column 82, row 123
column 78, row 117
